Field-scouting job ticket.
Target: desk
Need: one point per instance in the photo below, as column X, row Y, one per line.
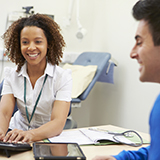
column 89, row 151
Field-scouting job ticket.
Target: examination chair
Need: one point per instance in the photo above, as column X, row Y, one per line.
column 101, row 59
column 70, row 123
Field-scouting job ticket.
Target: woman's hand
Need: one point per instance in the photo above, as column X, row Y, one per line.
column 17, row 135
column 103, row 158
column 2, row 135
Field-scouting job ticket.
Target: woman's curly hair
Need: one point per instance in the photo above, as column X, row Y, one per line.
column 51, row 30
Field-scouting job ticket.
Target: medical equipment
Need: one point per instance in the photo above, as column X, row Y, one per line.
column 67, row 21
column 134, row 138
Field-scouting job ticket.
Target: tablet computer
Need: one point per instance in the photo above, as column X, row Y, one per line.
column 57, row 151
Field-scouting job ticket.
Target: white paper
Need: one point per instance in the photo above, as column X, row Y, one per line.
column 74, row 136
column 85, row 136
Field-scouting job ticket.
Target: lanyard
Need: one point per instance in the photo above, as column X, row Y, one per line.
column 29, row 119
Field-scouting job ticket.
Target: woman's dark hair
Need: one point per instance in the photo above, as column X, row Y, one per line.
column 149, row 10
column 51, row 30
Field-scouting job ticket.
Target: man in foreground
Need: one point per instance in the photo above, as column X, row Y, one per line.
column 147, row 53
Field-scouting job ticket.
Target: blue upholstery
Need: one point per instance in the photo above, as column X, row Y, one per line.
column 1, row 85
column 91, row 58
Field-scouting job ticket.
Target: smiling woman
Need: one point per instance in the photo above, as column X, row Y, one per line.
column 41, row 89
column 34, row 49
column 33, row 42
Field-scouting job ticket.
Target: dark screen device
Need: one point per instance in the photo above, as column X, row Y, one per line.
column 57, row 151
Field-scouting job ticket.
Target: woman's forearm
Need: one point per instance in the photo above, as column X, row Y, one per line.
column 50, row 129
column 4, row 123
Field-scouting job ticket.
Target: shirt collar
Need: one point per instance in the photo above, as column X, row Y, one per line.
column 49, row 70
column 23, row 71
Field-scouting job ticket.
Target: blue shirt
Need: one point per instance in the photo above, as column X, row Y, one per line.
column 151, row 152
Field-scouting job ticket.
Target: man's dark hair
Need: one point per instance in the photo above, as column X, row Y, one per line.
column 149, row 10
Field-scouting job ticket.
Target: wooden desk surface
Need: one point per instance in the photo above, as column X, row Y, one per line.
column 89, row 151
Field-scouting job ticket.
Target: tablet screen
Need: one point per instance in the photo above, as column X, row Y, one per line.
column 57, row 151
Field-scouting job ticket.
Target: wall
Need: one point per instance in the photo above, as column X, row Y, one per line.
column 110, row 28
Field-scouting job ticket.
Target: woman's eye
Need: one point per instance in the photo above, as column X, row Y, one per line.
column 38, row 41
column 24, row 42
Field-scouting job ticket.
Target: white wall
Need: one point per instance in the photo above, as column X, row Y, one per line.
column 110, row 28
